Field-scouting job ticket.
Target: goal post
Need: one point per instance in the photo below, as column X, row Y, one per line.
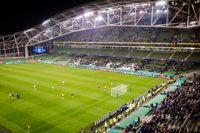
column 119, row 90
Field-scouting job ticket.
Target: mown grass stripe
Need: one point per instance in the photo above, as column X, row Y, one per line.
column 46, row 111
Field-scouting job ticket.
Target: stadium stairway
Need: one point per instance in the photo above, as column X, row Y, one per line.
column 195, row 57
column 149, row 54
column 172, row 55
column 186, row 58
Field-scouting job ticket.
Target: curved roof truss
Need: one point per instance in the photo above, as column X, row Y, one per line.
column 148, row 13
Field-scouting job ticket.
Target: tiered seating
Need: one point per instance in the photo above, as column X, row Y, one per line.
column 160, row 55
column 195, row 57
column 60, row 58
column 91, row 51
column 139, row 53
column 105, row 51
column 79, row 50
column 127, row 34
column 62, row 50
column 74, row 50
column 180, row 55
column 144, row 114
column 111, row 60
column 52, row 57
column 178, row 112
column 125, row 52
column 163, row 37
column 121, row 52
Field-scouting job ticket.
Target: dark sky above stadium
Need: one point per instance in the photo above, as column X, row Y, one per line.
column 17, row 15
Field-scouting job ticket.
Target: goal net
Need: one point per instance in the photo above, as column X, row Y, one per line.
column 118, row 90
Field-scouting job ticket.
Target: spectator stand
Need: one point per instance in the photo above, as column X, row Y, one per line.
column 143, row 110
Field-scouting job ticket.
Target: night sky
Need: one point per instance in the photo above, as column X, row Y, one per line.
column 18, row 15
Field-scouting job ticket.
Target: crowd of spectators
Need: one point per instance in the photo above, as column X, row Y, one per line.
column 180, row 105
column 134, row 64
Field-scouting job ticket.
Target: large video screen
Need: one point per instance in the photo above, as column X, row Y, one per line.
column 39, row 50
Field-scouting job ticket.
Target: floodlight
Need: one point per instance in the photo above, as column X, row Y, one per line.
column 137, row 5
column 88, row 14
column 141, row 12
column 102, row 11
column 161, row 3
column 165, row 11
column 158, row 11
column 184, row 4
column 144, row 4
column 99, row 18
column 193, row 22
column 46, row 22
column 120, row 8
column 110, row 9
column 78, row 17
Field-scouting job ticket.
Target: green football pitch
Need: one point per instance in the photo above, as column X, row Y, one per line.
column 46, row 111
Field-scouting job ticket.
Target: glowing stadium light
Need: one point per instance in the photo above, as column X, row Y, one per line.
column 78, row 17
column 148, row 4
column 158, row 11
column 102, row 11
column 46, row 22
column 129, row 6
column 137, row 5
column 161, row 3
column 182, row 25
column 99, row 18
column 132, row 14
column 141, row 12
column 165, row 11
column 145, row 4
column 110, row 9
column 119, row 8
column 194, row 22
column 88, row 14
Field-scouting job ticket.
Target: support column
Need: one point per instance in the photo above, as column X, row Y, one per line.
column 108, row 17
column 199, row 16
column 152, row 15
column 135, row 16
column 188, row 15
column 121, row 16
column 17, row 50
column 26, row 51
column 167, row 16
column 4, row 50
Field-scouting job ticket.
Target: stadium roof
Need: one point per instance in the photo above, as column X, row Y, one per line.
column 145, row 13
